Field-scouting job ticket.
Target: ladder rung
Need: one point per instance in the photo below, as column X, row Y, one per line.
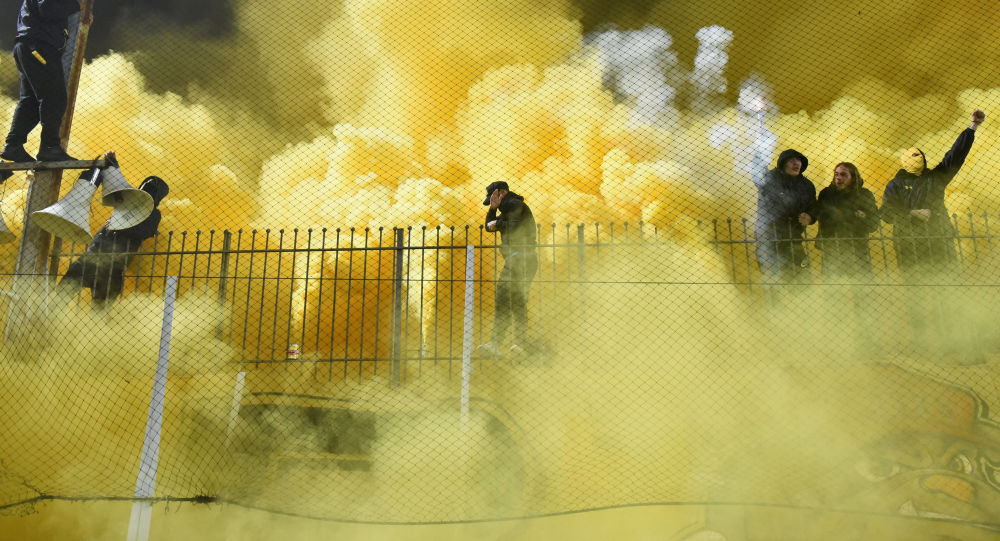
column 71, row 164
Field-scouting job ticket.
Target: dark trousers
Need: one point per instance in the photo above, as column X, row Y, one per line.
column 513, row 286
column 104, row 281
column 43, row 94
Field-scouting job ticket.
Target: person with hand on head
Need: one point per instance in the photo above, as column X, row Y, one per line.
column 102, row 267
column 512, row 218
column 913, row 203
column 847, row 213
column 41, row 39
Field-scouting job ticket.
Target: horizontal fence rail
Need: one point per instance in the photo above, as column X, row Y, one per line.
column 325, row 297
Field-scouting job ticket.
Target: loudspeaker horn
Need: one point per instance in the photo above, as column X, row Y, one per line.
column 69, row 218
column 131, row 205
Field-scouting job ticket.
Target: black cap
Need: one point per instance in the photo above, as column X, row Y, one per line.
column 156, row 187
column 494, row 186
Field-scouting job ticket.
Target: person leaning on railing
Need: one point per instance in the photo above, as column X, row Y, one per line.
column 914, row 204
column 512, row 218
column 102, row 267
column 847, row 213
column 785, row 206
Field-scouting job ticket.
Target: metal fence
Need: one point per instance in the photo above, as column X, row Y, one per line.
column 362, row 302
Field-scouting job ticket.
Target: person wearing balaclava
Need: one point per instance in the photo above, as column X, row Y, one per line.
column 510, row 216
column 914, row 204
column 786, row 203
column 923, row 239
column 102, row 266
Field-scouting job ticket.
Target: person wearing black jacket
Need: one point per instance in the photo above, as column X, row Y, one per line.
column 785, row 206
column 913, row 203
column 847, row 213
column 512, row 218
column 102, row 267
column 41, row 39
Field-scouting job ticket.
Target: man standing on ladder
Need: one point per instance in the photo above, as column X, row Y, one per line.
column 42, row 33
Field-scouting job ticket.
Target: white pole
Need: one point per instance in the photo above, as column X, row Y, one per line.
column 467, row 335
column 145, row 484
column 234, row 410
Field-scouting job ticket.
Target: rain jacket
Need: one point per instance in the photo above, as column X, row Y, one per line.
column 917, row 242
column 780, row 200
column 842, row 235
column 45, row 21
column 516, row 225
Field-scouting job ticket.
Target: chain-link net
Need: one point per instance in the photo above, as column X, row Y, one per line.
column 440, row 261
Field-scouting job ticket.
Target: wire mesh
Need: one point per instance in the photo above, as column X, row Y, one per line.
column 740, row 257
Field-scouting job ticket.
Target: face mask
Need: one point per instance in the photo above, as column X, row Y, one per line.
column 913, row 161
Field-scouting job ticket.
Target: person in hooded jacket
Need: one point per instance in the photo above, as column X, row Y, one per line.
column 512, row 218
column 785, row 206
column 847, row 213
column 913, row 203
column 102, row 266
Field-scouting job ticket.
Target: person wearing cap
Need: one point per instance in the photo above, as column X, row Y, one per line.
column 512, row 218
column 913, row 203
column 102, row 266
column 786, row 203
column 42, row 33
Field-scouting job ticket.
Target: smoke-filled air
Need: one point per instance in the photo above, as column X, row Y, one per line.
column 669, row 390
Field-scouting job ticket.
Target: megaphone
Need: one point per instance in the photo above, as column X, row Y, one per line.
column 131, row 205
column 69, row 218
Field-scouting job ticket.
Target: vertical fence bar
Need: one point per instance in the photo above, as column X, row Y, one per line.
column 397, row 308
column 277, row 292
column 291, row 291
column 364, row 295
column 378, row 298
column 406, row 302
column 347, row 316
column 145, row 484
column 467, row 327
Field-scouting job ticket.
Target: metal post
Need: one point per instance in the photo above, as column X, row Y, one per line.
column 397, row 308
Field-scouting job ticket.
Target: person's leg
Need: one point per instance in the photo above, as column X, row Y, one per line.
column 503, row 305
column 526, row 266
column 25, row 113
column 49, row 84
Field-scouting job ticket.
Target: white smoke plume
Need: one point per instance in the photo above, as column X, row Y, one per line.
column 708, row 78
column 637, row 65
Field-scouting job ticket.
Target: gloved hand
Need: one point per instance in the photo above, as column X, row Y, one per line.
column 110, row 160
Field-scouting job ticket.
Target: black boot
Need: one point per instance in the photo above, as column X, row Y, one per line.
column 54, row 154
column 16, row 153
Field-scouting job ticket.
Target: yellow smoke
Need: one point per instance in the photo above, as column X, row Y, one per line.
column 409, row 109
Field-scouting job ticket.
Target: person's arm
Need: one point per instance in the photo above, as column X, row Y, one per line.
column 868, row 211
column 955, row 157
column 513, row 211
column 892, row 206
